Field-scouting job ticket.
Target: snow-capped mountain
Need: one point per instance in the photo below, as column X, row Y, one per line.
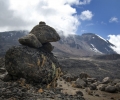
column 87, row 44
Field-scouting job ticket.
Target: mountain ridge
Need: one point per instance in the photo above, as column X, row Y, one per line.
column 87, row 44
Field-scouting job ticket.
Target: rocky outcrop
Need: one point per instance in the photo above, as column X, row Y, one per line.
column 40, row 36
column 33, row 59
column 35, row 65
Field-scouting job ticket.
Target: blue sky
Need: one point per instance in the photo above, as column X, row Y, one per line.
column 103, row 11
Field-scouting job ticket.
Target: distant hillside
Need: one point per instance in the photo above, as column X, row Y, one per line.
column 87, row 44
column 8, row 39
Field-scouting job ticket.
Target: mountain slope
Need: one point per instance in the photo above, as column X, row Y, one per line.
column 8, row 39
column 87, row 44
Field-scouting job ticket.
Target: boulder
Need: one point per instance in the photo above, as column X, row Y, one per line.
column 93, row 87
column 48, row 47
column 118, row 86
column 106, row 80
column 115, row 81
column 45, row 33
column 91, row 80
column 40, row 36
column 79, row 93
column 69, row 77
column 84, row 75
column 80, row 83
column 35, row 65
column 102, row 87
column 111, row 89
column 30, row 40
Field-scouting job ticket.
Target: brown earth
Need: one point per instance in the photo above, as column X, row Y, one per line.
column 96, row 94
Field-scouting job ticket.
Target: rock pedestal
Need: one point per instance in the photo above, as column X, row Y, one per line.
column 35, row 65
column 33, row 59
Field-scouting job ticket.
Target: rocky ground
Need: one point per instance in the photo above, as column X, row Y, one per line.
column 69, row 87
column 87, row 93
column 20, row 89
column 93, row 66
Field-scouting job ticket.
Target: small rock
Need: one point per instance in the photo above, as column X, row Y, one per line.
column 79, row 83
column 40, row 91
column 91, row 80
column 58, row 95
column 112, row 98
column 106, row 80
column 111, row 89
column 93, row 87
column 90, row 92
column 7, row 78
column 102, row 87
column 115, row 81
column 118, row 86
column 79, row 93
column 97, row 95
column 84, row 75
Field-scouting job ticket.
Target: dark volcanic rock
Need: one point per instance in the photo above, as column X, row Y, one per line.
column 30, row 40
column 19, row 90
column 106, row 80
column 118, row 86
column 48, row 47
column 79, row 83
column 45, row 33
column 69, row 77
column 111, row 89
column 35, row 65
column 102, row 88
column 93, row 87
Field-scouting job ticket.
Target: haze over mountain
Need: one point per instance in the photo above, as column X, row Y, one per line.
column 87, row 44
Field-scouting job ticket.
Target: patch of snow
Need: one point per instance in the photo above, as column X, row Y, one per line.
column 102, row 38
column 95, row 49
column 92, row 45
column 106, row 49
column 93, row 37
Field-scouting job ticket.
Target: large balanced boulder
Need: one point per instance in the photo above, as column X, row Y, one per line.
column 35, row 65
column 45, row 33
column 40, row 35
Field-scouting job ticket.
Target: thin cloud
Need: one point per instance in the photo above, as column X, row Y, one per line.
column 115, row 39
column 90, row 24
column 113, row 19
column 84, row 2
column 103, row 23
column 86, row 15
column 82, row 31
column 25, row 14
